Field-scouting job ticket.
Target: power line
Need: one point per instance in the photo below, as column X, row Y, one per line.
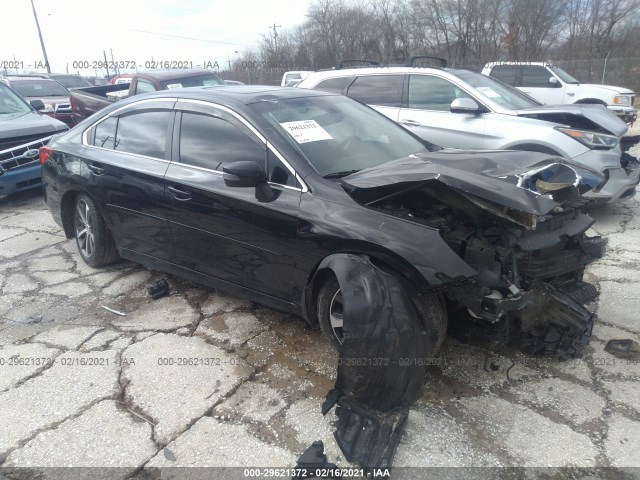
column 190, row 38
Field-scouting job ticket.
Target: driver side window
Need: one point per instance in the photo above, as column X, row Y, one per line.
column 535, row 76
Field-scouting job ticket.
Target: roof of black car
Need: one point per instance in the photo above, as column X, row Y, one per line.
column 238, row 94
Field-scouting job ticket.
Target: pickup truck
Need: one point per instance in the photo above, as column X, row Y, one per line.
column 551, row 85
column 87, row 101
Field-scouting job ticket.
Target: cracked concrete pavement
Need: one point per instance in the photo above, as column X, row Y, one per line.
column 201, row 379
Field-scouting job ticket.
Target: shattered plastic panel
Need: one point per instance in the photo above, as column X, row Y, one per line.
column 380, row 372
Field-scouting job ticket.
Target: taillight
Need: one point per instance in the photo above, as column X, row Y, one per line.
column 44, row 154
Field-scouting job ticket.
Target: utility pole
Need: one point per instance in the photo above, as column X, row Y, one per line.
column 106, row 64
column 44, row 51
column 116, row 70
column 275, row 27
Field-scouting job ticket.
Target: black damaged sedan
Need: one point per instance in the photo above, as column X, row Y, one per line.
column 317, row 205
column 314, row 204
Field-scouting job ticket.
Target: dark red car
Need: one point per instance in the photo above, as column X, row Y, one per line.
column 53, row 95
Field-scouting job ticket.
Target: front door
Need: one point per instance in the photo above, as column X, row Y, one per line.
column 428, row 114
column 226, row 232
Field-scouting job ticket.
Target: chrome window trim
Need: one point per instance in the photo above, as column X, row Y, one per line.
column 220, row 172
column 85, row 141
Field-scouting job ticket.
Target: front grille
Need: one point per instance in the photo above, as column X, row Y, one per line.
column 21, row 155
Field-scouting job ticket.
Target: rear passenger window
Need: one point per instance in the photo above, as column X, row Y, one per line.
column 106, row 133
column 505, row 73
column 335, row 85
column 143, row 133
column 536, row 76
column 383, row 90
column 211, row 142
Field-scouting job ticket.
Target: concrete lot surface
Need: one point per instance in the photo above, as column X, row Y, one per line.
column 201, row 379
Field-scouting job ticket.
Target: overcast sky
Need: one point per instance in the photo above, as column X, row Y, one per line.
column 140, row 30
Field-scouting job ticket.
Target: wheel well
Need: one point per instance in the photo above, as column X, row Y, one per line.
column 591, row 101
column 532, row 147
column 318, row 277
column 66, row 211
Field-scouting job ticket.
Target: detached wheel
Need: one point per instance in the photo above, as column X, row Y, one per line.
column 94, row 241
column 430, row 308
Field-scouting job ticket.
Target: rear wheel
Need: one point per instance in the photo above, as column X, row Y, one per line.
column 93, row 239
column 430, row 308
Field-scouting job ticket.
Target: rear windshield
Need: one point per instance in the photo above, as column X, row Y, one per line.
column 39, row 88
column 205, row 80
column 73, row 81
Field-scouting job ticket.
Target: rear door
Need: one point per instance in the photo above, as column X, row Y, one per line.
column 427, row 112
column 535, row 82
column 124, row 166
column 382, row 92
column 221, row 231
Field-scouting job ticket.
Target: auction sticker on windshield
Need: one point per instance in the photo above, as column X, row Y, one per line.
column 304, row 131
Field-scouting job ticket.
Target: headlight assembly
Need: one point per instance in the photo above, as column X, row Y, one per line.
column 593, row 140
column 623, row 100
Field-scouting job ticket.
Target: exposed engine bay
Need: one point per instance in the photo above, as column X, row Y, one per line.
column 529, row 278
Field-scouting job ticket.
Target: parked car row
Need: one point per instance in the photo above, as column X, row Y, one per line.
column 459, row 108
column 551, row 85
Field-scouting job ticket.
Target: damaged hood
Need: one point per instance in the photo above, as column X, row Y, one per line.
column 598, row 114
column 527, row 182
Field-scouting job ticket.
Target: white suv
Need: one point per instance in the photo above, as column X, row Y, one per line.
column 551, row 85
column 457, row 108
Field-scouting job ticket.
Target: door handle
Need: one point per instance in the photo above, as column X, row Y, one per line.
column 410, row 123
column 95, row 169
column 180, row 195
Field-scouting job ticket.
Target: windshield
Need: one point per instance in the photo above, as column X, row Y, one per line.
column 196, row 81
column 39, row 88
column 564, row 76
column 337, row 135
column 10, row 102
column 500, row 93
column 73, row 81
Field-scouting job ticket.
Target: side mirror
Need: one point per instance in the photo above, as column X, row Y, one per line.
column 37, row 104
column 553, row 81
column 243, row 174
column 464, row 105
column 248, row 174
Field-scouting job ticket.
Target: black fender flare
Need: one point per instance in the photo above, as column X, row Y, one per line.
column 592, row 101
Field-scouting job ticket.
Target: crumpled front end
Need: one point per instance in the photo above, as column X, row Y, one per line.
column 531, row 281
column 519, row 225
